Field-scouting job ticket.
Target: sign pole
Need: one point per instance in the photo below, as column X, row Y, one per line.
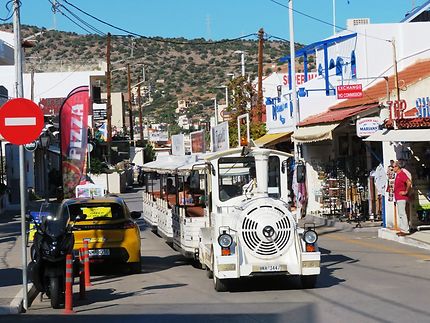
column 19, row 94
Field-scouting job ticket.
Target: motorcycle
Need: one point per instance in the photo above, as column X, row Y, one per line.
column 52, row 241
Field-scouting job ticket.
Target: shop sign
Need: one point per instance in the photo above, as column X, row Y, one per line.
column 32, row 146
column 367, row 126
column 353, row 91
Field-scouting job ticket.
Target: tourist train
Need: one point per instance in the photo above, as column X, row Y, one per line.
column 229, row 211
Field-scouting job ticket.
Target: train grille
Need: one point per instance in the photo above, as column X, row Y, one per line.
column 266, row 231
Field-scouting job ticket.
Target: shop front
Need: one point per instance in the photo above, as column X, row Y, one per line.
column 338, row 168
column 406, row 137
column 411, row 147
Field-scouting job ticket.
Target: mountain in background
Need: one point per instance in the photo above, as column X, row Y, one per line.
column 175, row 68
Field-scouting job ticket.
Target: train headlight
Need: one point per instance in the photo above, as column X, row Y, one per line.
column 225, row 240
column 310, row 236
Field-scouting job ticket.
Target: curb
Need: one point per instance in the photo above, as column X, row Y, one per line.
column 389, row 234
column 17, row 306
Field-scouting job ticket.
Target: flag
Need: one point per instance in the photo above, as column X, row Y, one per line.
column 74, row 138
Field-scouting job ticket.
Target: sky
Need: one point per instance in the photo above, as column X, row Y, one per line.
column 214, row 19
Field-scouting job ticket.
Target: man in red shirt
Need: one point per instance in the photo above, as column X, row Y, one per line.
column 402, row 185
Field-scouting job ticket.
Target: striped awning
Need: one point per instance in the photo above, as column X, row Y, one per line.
column 314, row 133
column 272, row 139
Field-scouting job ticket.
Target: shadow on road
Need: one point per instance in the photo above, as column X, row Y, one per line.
column 330, row 264
column 10, row 277
column 153, row 264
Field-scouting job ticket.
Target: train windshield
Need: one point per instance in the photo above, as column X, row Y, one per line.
column 236, row 176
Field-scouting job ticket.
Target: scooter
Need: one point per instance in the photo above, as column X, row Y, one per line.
column 52, row 241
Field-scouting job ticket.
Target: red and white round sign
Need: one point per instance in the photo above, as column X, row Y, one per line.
column 21, row 121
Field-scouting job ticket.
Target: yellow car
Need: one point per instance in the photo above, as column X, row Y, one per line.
column 109, row 227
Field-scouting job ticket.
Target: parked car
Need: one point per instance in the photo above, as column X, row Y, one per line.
column 109, row 227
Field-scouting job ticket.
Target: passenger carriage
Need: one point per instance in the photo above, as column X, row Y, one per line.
column 157, row 204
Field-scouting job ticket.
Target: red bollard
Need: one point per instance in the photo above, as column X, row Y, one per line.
column 68, row 304
column 86, row 264
column 81, row 276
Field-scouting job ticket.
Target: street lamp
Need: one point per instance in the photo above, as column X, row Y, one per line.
column 216, row 111
column 242, row 60
column 45, row 140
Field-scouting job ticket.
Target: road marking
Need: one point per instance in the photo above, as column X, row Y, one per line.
column 20, row 121
column 421, row 256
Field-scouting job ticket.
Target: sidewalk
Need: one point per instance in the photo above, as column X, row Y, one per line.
column 11, row 295
column 419, row 239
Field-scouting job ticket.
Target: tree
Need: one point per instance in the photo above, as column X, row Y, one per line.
column 244, row 95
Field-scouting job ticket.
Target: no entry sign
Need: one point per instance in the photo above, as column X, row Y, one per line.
column 21, row 121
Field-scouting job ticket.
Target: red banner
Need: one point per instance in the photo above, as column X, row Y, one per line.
column 74, row 139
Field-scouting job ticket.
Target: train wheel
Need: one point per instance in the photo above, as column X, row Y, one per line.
column 219, row 284
column 209, row 273
column 308, row 281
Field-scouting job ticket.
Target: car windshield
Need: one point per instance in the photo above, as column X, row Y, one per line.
column 97, row 211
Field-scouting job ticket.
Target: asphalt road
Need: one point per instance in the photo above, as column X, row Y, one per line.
column 363, row 279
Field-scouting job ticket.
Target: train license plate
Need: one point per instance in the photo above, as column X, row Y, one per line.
column 270, row 268
column 98, row 252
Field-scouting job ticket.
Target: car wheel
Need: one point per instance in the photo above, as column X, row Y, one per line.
column 136, row 267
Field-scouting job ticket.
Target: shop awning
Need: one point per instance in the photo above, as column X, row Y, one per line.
column 400, row 135
column 314, row 133
column 272, row 139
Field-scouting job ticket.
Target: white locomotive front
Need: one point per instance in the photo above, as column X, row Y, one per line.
column 251, row 229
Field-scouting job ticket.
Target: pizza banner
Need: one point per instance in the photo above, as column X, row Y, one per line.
column 74, row 138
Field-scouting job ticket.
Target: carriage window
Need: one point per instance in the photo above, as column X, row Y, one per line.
column 234, row 174
column 274, row 185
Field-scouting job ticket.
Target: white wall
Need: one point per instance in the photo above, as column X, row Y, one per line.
column 46, row 85
column 374, row 58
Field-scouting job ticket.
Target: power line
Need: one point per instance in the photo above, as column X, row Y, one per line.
column 328, row 23
column 9, row 9
column 56, row 7
column 156, row 39
column 97, row 31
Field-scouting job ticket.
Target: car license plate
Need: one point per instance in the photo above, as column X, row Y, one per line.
column 98, row 252
column 270, row 268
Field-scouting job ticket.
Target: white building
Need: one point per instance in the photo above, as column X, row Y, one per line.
column 327, row 141
column 52, row 85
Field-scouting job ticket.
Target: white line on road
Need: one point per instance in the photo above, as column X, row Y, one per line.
column 20, row 121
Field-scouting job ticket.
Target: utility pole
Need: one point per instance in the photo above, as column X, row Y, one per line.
column 140, row 112
column 130, row 108
column 396, row 79
column 396, row 75
column 108, row 101
column 32, row 84
column 19, row 93
column 293, row 64
column 260, row 75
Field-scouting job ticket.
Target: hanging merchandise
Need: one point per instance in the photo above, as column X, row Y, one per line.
column 391, row 175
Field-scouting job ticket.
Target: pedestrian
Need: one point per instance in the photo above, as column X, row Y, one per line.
column 402, row 187
column 252, row 184
column 169, row 188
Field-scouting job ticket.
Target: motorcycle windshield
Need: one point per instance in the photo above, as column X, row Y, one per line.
column 55, row 226
column 54, row 223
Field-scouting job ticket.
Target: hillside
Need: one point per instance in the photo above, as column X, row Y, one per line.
column 174, row 68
